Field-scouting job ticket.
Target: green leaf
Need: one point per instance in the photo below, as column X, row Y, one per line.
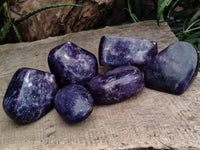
column 195, row 16
column 133, row 16
column 173, row 6
column 14, row 27
column 193, row 29
column 162, row 4
column 2, row 2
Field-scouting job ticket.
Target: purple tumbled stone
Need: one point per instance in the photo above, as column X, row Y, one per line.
column 74, row 103
column 173, row 69
column 116, row 85
column 117, row 51
column 29, row 95
column 72, row 64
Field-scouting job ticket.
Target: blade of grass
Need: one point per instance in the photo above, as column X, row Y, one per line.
column 162, row 4
column 133, row 16
column 2, row 2
column 193, row 35
column 193, row 29
column 184, row 24
column 195, row 16
column 17, row 33
column 8, row 24
column 14, row 27
column 41, row 9
column 172, row 7
column 192, row 25
column 4, row 30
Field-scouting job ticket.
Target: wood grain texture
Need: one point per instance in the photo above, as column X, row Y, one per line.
column 62, row 20
column 151, row 119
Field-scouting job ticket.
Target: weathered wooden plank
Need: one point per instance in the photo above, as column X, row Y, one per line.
column 150, row 119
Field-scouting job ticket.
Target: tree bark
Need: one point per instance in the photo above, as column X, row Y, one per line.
column 62, row 20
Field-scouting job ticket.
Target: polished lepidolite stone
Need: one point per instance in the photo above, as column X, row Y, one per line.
column 172, row 69
column 72, row 64
column 117, row 51
column 116, row 85
column 29, row 95
column 74, row 103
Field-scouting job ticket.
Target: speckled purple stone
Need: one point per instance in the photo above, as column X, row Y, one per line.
column 74, row 103
column 72, row 64
column 116, row 85
column 172, row 69
column 29, row 95
column 117, row 51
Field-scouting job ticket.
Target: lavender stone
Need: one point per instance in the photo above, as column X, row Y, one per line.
column 72, row 64
column 29, row 95
column 74, row 103
column 116, row 51
column 116, row 85
column 172, row 69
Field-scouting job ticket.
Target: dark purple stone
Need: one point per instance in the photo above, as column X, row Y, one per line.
column 172, row 69
column 29, row 95
column 74, row 103
column 72, row 64
column 116, row 85
column 117, row 51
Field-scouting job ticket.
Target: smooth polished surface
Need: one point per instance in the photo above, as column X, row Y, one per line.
column 72, row 64
column 116, row 85
column 74, row 103
column 29, row 95
column 117, row 51
column 172, row 69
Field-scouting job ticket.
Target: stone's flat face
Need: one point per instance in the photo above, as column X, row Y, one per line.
column 72, row 64
column 117, row 51
column 172, row 69
column 74, row 103
column 116, row 85
column 29, row 95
